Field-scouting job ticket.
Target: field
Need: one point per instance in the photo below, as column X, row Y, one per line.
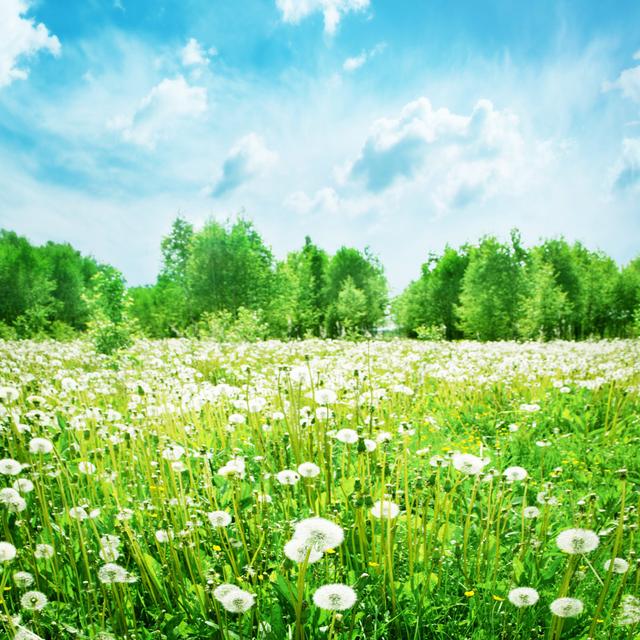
column 136, row 488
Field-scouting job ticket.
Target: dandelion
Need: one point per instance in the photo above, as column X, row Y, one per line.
column 22, row 633
column 34, row 601
column 531, row 512
column 523, row 596
column 10, row 467
column 515, row 474
column 162, row 536
column 287, row 477
column 335, row 597
column 629, row 612
column 40, row 446
column 223, row 590
column 43, row 551
column 385, row 509
column 78, row 513
column 23, row 485
column 347, row 436
column 575, row 541
column 620, row 565
column 12, row 500
column 319, row 534
column 7, row 552
column 298, row 551
column 567, row 607
column 468, row 463
column 111, row 573
column 309, row 470
column 219, row 519
column 23, row 579
column 326, row 396
column 238, row 601
column 88, row 468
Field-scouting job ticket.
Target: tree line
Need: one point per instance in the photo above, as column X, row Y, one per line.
column 223, row 281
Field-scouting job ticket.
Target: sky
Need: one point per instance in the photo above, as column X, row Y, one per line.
column 395, row 124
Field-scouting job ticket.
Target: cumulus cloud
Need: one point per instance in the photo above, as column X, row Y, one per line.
column 351, row 64
column 462, row 157
column 192, row 54
column 20, row 38
column 246, row 159
column 171, row 100
column 627, row 171
column 293, row 11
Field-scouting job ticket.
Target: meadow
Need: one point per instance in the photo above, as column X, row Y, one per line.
column 187, row 489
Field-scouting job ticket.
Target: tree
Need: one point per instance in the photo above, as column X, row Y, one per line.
column 491, row 290
column 351, row 309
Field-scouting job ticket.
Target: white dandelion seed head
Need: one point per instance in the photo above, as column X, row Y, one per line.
column 88, row 468
column 523, row 596
column 12, row 500
column 23, row 485
column 531, row 512
column 335, row 597
column 385, row 509
column 629, row 611
column 40, row 446
column 567, row 607
column 111, row 573
column 515, row 474
column 298, row 551
column 173, row 452
column 223, row 590
column 326, row 396
column 22, row 633
column 370, row 445
column 43, row 551
column 10, row 467
column 33, row 601
column 347, row 436
column 319, row 534
column 238, row 601
column 7, row 552
column 219, row 519
column 575, row 541
column 23, row 579
column 309, row 470
column 620, row 565
column 287, row 476
column 468, row 463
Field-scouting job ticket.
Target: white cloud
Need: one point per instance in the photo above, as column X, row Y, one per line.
column 246, row 159
column 460, row 158
column 351, row 64
column 628, row 82
column 192, row 54
column 627, row 169
column 20, row 37
column 293, row 11
column 170, row 100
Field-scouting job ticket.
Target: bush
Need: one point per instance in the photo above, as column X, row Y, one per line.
column 433, row 333
column 222, row 326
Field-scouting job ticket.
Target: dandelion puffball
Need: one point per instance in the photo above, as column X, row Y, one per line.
column 566, row 607
column 385, row 509
column 319, row 534
column 335, row 597
column 523, row 596
column 575, row 541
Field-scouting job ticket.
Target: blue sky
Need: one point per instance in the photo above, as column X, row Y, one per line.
column 401, row 125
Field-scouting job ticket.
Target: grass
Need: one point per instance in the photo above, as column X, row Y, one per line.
column 160, row 420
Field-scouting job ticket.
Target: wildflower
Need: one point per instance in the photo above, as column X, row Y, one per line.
column 173, row 452
column 515, row 474
column 577, row 541
column 468, row 463
column 620, row 565
column 78, row 513
column 23, row 579
column 335, row 597
column 112, row 572
column 235, row 467
column 523, row 596
column 23, row 485
column 287, row 477
column 326, row 396
column 531, row 512
column 7, row 552
column 348, row 436
column 566, row 607
column 299, row 551
column 385, row 509
column 223, row 590
column 34, row 601
column 319, row 534
column 88, row 468
column 219, row 519
column 10, row 467
column 12, row 500
column 162, row 536
column 309, row 470
column 238, row 601
column 629, row 612
column 40, row 446
column 370, row 445
column 22, row 633
column 470, row 593
column 43, row 551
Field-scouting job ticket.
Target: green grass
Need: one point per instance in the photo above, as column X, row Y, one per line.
column 442, row 569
